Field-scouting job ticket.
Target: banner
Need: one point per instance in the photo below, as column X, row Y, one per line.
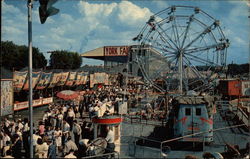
column 55, row 79
column 71, row 79
column 99, row 78
column 112, row 79
column 35, row 103
column 78, row 78
column 35, row 78
column 19, row 80
column 6, row 97
column 64, row 77
column 44, row 80
column 84, row 78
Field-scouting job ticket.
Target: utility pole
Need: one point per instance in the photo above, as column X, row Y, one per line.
column 29, row 4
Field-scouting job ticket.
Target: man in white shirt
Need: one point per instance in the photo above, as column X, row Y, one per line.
column 110, row 139
column 20, row 125
column 35, row 138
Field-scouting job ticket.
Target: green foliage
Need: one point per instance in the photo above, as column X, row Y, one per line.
column 61, row 59
column 235, row 69
column 16, row 57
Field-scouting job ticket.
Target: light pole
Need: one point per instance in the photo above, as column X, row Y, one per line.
column 30, row 75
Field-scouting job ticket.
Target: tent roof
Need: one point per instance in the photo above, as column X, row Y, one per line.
column 95, row 54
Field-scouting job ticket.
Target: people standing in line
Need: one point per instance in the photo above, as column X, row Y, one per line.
column 77, row 132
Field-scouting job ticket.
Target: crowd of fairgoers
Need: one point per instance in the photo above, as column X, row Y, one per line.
column 60, row 131
column 63, row 131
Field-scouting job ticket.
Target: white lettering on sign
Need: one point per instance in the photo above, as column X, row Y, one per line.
column 116, row 51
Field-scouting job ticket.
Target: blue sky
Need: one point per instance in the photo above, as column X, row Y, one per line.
column 85, row 25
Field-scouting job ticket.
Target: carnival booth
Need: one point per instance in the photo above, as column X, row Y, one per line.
column 112, row 122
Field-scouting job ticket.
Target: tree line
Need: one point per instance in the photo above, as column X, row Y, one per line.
column 15, row 57
column 238, row 69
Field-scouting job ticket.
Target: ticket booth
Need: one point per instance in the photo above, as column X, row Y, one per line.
column 100, row 124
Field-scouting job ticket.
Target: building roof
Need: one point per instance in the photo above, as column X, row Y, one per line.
column 95, row 54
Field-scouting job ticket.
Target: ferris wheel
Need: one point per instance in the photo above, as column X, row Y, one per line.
column 190, row 46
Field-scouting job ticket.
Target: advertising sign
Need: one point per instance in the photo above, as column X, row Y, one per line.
column 19, row 79
column 116, row 50
column 78, row 78
column 36, row 103
column 44, row 80
column 84, row 78
column 71, row 79
column 6, row 97
column 56, row 77
column 64, row 77
column 99, row 78
column 35, row 78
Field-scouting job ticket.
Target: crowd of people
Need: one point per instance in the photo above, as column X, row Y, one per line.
column 63, row 131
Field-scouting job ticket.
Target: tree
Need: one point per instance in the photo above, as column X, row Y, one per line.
column 38, row 59
column 61, row 59
column 9, row 55
column 16, row 57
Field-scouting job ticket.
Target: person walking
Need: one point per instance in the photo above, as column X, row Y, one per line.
column 52, row 149
column 65, row 131
column 77, row 132
column 70, row 118
column 58, row 139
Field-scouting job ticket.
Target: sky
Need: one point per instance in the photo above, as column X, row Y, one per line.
column 81, row 26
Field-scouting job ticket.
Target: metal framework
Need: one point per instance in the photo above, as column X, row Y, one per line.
column 192, row 44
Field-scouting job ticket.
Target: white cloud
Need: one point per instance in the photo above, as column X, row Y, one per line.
column 131, row 14
column 12, row 31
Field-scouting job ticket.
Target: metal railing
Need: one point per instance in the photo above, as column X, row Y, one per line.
column 105, row 155
column 163, row 149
